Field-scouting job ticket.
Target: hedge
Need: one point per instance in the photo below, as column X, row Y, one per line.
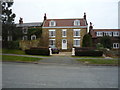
column 87, row 52
column 38, row 51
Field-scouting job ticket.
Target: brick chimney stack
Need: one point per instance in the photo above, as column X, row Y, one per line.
column 45, row 17
column 21, row 21
column 84, row 15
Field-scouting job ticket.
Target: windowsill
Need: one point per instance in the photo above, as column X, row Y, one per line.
column 51, row 36
column 76, row 45
column 64, row 36
column 76, row 36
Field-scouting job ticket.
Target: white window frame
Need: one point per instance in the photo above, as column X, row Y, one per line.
column 99, row 34
column 53, row 42
column 52, row 23
column 9, row 38
column 25, row 30
column 33, row 36
column 74, row 32
column 116, row 45
column 108, row 33
column 74, row 43
column 64, row 32
column 76, row 22
column 116, row 34
column 54, row 33
column 25, row 37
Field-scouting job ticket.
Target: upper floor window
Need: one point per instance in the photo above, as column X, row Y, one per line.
column 99, row 33
column 51, row 33
column 77, row 22
column 52, row 23
column 107, row 33
column 25, row 30
column 115, row 33
column 33, row 37
column 64, row 33
column 76, row 33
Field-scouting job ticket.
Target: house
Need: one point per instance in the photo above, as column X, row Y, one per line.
column 97, row 34
column 25, row 27
column 65, row 33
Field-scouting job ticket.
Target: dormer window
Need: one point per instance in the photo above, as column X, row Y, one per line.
column 76, row 22
column 52, row 23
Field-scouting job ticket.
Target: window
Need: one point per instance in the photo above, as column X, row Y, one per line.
column 107, row 33
column 99, row 33
column 9, row 38
column 24, row 37
column 77, row 22
column 115, row 45
column 25, row 30
column 76, row 43
column 51, row 42
column 115, row 33
column 76, row 33
column 52, row 23
column 33, row 37
column 51, row 33
column 64, row 33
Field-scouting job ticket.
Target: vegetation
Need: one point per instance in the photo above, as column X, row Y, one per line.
column 38, row 51
column 106, row 42
column 19, row 58
column 99, row 61
column 87, row 41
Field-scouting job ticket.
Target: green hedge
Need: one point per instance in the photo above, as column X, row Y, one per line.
column 38, row 51
column 87, row 52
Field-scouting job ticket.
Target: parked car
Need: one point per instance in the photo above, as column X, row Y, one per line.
column 54, row 49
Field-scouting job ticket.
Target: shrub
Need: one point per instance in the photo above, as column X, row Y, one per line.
column 87, row 52
column 38, row 51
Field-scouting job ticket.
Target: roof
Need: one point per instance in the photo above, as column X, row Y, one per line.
column 93, row 32
column 29, row 24
column 64, row 22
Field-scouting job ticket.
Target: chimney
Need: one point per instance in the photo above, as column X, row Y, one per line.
column 45, row 17
column 21, row 21
column 90, row 28
column 84, row 16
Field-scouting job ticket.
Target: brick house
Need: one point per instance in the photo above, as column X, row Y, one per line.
column 65, row 33
column 113, row 33
column 25, row 26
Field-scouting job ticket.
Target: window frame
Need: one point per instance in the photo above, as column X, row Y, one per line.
column 25, row 36
column 52, row 23
column 54, row 33
column 117, row 45
column 116, row 34
column 75, row 44
column 64, row 34
column 54, row 42
column 33, row 36
column 74, row 32
column 76, row 22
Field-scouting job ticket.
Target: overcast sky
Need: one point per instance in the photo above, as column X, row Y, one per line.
column 102, row 13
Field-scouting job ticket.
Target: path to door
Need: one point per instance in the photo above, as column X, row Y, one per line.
column 61, row 58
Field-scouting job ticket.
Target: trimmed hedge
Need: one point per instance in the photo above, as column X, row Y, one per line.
column 87, row 52
column 38, row 51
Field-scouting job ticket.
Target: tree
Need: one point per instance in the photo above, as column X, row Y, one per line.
column 8, row 26
column 87, row 41
column 106, row 42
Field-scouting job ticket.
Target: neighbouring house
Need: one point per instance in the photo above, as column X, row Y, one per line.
column 65, row 33
column 25, row 27
column 98, row 33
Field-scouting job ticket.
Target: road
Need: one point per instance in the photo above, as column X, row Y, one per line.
column 26, row 75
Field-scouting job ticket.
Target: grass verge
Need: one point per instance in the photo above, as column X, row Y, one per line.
column 19, row 58
column 99, row 61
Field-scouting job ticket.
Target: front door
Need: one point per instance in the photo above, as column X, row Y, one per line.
column 64, row 44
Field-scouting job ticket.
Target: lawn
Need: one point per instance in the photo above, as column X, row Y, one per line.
column 19, row 58
column 13, row 51
column 99, row 61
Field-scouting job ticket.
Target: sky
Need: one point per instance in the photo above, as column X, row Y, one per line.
column 102, row 13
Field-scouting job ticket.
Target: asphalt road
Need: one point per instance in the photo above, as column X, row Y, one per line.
column 23, row 75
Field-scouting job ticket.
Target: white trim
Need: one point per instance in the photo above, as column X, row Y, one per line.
column 76, row 22
column 74, row 30
column 74, row 43
column 65, row 31
column 50, row 33
column 33, row 36
column 54, row 23
column 52, row 30
column 68, row 27
column 23, row 38
column 64, row 45
column 51, row 39
column 116, row 45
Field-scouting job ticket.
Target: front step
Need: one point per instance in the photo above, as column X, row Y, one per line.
column 68, row 50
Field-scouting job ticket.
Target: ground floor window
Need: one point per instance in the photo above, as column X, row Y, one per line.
column 51, row 42
column 115, row 45
column 25, row 38
column 9, row 38
column 33, row 37
column 76, row 42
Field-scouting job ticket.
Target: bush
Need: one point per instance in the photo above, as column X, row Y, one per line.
column 38, row 51
column 11, row 44
column 87, row 52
